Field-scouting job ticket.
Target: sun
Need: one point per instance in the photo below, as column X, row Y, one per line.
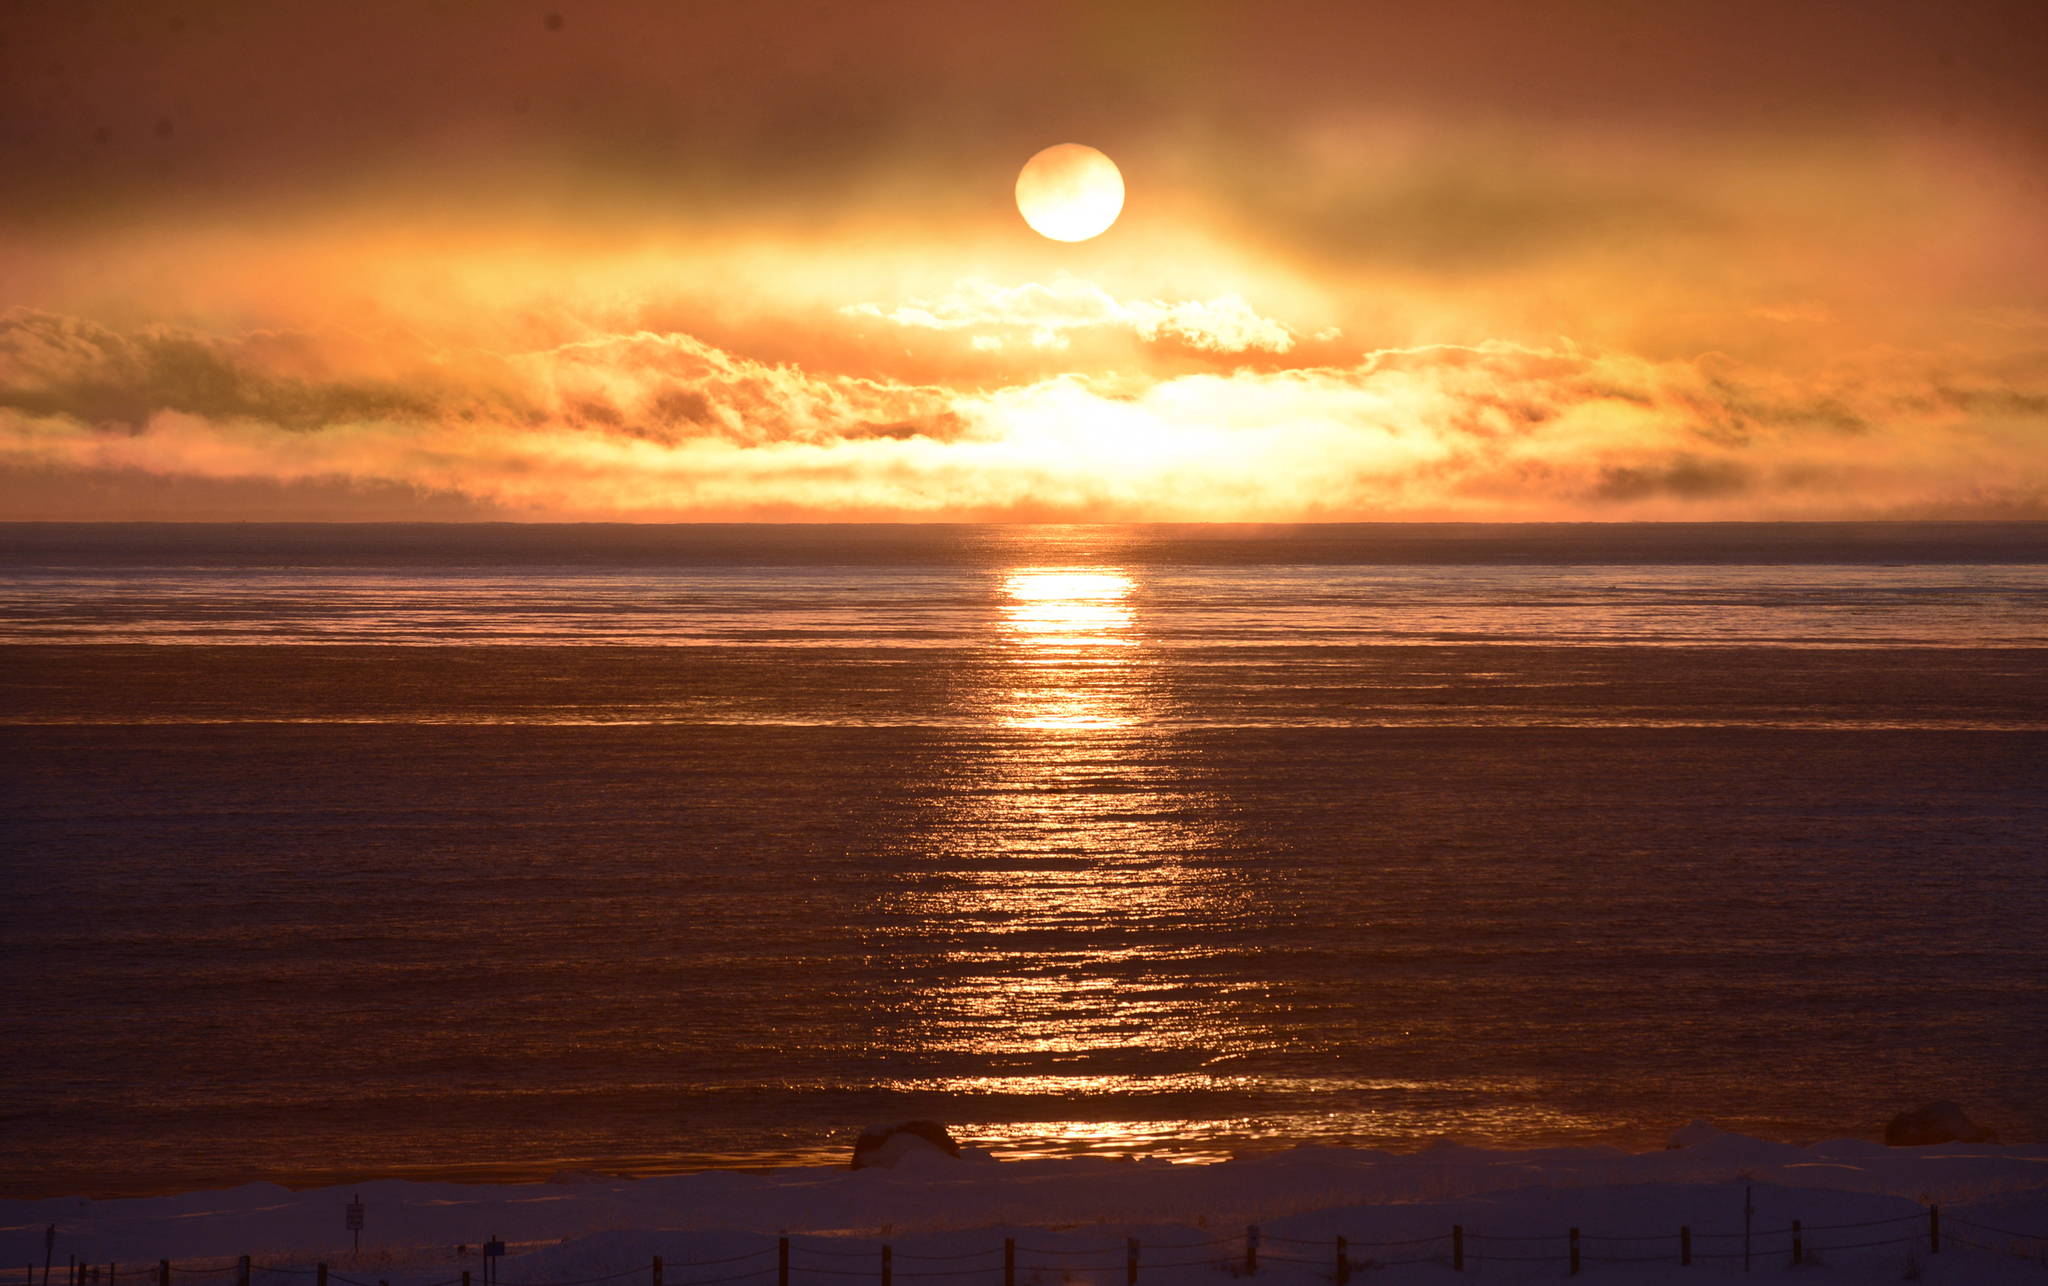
column 1070, row 192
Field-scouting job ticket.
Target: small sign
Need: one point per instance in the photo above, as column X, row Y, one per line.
column 493, row 1248
column 355, row 1215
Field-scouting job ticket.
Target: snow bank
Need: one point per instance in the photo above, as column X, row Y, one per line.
column 1071, row 1217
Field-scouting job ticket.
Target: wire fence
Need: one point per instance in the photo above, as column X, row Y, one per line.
column 1456, row 1247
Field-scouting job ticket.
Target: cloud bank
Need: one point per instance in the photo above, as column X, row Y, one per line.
column 746, row 261
column 666, row 426
column 1226, row 324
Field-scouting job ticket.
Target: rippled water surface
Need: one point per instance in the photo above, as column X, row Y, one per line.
column 1029, row 605
column 493, row 851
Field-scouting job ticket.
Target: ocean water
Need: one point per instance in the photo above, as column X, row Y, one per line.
column 486, row 852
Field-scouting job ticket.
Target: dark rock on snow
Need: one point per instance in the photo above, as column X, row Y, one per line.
column 873, row 1146
column 1938, row 1122
column 1698, row 1132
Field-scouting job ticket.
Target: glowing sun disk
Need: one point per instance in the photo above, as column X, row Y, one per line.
column 1070, row 192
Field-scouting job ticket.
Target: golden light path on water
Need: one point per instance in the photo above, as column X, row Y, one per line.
column 1066, row 629
column 1068, row 875
column 1084, row 888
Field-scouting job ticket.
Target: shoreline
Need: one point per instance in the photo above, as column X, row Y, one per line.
column 1008, row 1150
column 933, row 1206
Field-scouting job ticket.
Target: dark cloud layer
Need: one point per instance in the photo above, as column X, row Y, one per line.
column 107, row 104
column 658, row 388
column 67, row 366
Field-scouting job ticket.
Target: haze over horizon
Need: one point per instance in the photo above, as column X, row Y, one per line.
column 640, row 262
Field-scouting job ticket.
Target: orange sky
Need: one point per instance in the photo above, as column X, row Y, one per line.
column 1612, row 261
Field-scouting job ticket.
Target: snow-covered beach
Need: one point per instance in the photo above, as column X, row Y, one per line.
column 1863, row 1210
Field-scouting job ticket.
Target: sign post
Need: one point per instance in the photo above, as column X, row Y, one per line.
column 355, row 1222
column 493, row 1251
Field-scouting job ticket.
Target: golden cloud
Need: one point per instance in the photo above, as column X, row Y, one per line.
column 1226, row 324
column 666, row 426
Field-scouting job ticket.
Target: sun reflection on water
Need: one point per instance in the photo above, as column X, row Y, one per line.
column 1061, row 909
column 1069, row 609
column 1075, row 639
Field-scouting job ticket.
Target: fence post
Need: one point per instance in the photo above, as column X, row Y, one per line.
column 1131, row 1261
column 1343, row 1264
column 1575, row 1252
column 657, row 1270
column 1934, row 1230
column 1748, row 1209
column 1798, row 1250
column 781, row 1264
column 1251, row 1251
column 1009, row 1261
column 163, row 1273
column 242, row 1272
column 885, row 1266
column 1458, row 1247
column 1685, row 1247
